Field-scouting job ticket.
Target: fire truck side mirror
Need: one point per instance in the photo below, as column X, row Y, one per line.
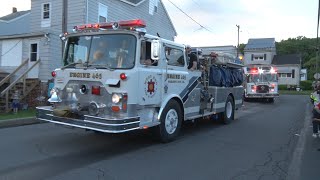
column 155, row 50
column 63, row 37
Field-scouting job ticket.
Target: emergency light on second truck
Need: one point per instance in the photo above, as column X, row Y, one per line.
column 261, row 82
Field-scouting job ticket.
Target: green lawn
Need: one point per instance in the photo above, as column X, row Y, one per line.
column 20, row 114
column 307, row 92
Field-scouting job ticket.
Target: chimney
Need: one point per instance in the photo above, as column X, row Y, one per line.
column 14, row 10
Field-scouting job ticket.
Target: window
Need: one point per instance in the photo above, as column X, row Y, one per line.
column 115, row 51
column 153, row 6
column 46, row 11
column 174, row 56
column 258, row 57
column 103, row 13
column 285, row 75
column 33, row 52
column 133, row 2
column 145, row 54
column 46, row 15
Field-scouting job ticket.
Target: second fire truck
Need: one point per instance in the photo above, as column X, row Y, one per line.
column 261, row 82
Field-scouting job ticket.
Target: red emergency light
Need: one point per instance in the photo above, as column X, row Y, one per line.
column 254, row 71
column 95, row 90
column 130, row 24
column 123, row 76
column 53, row 73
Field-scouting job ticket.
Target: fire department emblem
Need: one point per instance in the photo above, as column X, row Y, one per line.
column 150, row 86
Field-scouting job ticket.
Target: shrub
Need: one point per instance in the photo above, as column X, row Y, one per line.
column 282, row 87
column 306, row 85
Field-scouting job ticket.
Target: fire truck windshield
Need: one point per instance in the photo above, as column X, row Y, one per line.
column 116, row 51
column 267, row 77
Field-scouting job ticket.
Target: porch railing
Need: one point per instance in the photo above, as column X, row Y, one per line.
column 22, row 76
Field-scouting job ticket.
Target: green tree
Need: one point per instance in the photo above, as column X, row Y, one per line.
column 300, row 45
column 241, row 48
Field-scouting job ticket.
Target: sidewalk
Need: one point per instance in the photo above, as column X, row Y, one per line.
column 310, row 166
column 18, row 122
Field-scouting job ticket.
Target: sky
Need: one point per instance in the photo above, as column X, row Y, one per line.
column 280, row 19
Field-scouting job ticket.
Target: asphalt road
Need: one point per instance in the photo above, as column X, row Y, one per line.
column 259, row 144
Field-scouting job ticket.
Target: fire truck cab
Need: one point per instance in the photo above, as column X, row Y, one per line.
column 261, row 81
column 116, row 78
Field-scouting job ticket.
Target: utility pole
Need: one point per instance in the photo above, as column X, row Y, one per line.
column 238, row 26
column 317, row 46
column 64, row 19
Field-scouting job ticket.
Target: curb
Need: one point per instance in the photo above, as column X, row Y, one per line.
column 18, row 122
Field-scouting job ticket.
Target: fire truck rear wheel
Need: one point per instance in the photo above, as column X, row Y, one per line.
column 228, row 114
column 171, row 119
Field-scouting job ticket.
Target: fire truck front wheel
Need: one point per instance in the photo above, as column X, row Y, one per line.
column 171, row 119
column 228, row 114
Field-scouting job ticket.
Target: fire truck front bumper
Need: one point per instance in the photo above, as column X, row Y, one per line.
column 106, row 125
column 262, row 95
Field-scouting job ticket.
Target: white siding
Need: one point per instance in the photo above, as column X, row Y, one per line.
column 50, row 52
column 77, row 13
column 248, row 57
column 11, row 52
column 49, row 49
column 288, row 69
column 159, row 22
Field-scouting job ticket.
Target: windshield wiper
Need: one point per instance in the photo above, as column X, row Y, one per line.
column 97, row 66
column 69, row 65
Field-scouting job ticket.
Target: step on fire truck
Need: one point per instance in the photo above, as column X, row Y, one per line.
column 116, row 78
column 261, row 81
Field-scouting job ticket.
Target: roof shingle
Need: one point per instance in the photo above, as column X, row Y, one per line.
column 286, row 59
column 12, row 16
column 260, row 43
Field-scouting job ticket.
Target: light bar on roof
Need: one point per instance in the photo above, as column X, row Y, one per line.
column 129, row 25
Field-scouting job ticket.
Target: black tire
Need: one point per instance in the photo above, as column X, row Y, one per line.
column 269, row 100
column 172, row 109
column 228, row 115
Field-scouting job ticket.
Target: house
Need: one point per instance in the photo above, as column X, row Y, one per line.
column 289, row 68
column 29, row 36
column 259, row 51
column 35, row 34
column 223, row 49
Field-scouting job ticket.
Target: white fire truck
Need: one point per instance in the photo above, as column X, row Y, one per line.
column 116, row 78
column 261, row 82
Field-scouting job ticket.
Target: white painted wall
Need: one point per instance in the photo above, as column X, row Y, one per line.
column 11, row 53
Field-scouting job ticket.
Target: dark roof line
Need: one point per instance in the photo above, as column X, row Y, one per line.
column 13, row 16
column 286, row 59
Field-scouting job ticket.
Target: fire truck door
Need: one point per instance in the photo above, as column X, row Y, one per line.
column 150, row 85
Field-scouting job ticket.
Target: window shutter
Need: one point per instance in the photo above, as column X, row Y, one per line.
column 293, row 71
column 251, row 57
column 265, row 57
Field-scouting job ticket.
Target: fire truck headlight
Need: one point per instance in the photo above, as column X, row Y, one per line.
column 116, row 98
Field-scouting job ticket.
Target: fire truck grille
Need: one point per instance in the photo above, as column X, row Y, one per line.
column 262, row 89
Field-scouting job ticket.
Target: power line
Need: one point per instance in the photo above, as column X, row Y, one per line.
column 196, row 3
column 189, row 16
column 11, row 48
